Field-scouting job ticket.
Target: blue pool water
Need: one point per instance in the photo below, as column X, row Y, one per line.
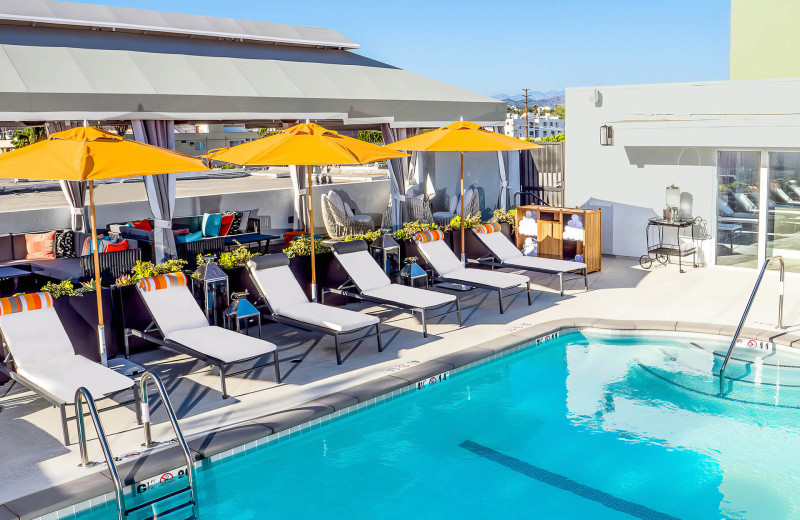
column 585, row 426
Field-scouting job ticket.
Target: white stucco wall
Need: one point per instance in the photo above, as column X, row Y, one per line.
column 667, row 134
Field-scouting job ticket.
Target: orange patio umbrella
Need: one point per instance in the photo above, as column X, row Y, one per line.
column 306, row 144
column 89, row 154
column 462, row 136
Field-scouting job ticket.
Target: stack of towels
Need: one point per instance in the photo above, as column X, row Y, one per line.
column 527, row 226
column 574, row 228
column 530, row 247
column 579, row 258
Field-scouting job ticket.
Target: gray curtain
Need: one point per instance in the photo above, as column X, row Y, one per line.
column 501, row 163
column 299, row 186
column 160, row 188
column 398, row 172
column 74, row 191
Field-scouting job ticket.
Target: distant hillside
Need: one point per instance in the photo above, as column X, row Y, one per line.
column 549, row 98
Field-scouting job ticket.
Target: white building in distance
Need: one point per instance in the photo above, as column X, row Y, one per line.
column 543, row 125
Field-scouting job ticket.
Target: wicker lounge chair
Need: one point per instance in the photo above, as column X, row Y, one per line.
column 340, row 221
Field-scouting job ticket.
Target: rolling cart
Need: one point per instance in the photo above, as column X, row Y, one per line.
column 661, row 250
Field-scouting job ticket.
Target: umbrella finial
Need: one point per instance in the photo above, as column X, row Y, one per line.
column 85, row 122
column 308, row 121
column 461, row 119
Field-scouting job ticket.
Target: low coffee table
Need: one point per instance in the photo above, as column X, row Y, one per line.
column 13, row 273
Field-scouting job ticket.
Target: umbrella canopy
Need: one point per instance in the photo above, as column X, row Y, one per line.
column 462, row 136
column 306, row 144
column 88, row 154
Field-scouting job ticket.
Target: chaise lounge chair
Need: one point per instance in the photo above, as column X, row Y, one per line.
column 286, row 303
column 448, row 269
column 503, row 253
column 45, row 360
column 368, row 282
column 183, row 328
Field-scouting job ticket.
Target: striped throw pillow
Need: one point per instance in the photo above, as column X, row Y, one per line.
column 488, row 228
column 429, row 236
column 162, row 281
column 25, row 302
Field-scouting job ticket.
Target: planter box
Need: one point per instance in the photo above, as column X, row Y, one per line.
column 130, row 311
column 474, row 247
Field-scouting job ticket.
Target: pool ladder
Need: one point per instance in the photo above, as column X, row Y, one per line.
column 747, row 311
column 182, row 502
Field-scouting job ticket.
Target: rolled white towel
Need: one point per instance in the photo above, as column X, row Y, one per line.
column 530, row 247
column 576, row 221
column 579, row 258
column 571, row 233
column 528, row 227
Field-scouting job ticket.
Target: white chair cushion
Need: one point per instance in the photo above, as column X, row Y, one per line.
column 440, row 256
column 334, row 318
column 491, row 278
column 348, row 210
column 362, row 218
column 499, row 245
column 364, row 270
column 174, row 308
column 279, row 286
column 336, row 200
column 454, row 204
column 35, row 336
column 552, row 265
column 411, row 296
column 223, row 344
column 63, row 375
column 442, row 214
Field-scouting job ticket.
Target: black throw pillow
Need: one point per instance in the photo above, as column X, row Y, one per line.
column 65, row 244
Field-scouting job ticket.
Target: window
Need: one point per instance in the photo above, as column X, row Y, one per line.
column 737, row 208
column 783, row 210
column 199, row 145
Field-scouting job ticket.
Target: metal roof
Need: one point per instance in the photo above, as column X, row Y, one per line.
column 53, row 73
column 53, row 13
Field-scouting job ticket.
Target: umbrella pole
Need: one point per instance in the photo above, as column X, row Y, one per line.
column 101, row 336
column 463, row 217
column 310, row 204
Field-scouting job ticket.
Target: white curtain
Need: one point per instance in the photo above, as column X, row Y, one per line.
column 160, row 188
column 74, row 191
column 398, row 172
column 299, row 178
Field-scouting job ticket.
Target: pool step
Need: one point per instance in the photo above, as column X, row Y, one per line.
column 177, row 505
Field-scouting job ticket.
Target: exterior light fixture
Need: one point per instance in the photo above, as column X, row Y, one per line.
column 606, row 135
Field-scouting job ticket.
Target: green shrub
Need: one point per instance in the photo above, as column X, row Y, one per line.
column 410, row 229
column 369, row 237
column 66, row 288
column 301, row 246
column 471, row 222
column 146, row 269
column 509, row 217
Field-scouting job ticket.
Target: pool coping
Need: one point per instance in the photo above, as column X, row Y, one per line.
column 96, row 489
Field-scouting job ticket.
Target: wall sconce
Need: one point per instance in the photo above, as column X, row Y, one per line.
column 606, row 135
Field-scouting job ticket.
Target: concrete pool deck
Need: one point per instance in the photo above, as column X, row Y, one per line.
column 41, row 475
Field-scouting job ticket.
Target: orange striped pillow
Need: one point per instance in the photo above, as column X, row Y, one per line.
column 424, row 237
column 25, row 302
column 162, row 281
column 488, row 228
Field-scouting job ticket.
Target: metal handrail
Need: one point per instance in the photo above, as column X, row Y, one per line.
column 83, row 394
column 528, row 192
column 173, row 419
column 80, row 395
column 747, row 311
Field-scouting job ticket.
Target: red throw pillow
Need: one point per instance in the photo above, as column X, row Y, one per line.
column 41, row 246
column 184, row 231
column 225, row 225
column 122, row 245
column 144, row 225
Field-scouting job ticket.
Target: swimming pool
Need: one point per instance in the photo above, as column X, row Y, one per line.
column 590, row 425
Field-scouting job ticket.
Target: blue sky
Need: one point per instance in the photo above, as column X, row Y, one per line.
column 501, row 47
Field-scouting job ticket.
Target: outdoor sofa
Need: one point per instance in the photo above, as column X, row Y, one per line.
column 284, row 301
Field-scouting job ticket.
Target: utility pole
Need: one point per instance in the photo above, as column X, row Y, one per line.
column 527, row 128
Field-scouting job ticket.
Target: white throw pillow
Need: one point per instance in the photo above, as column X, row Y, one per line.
column 453, row 204
column 336, row 200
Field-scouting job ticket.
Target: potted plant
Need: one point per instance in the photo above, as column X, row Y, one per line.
column 507, row 220
column 76, row 305
column 474, row 248
column 299, row 253
column 234, row 263
column 405, row 237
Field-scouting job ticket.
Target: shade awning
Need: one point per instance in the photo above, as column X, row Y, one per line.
column 62, row 74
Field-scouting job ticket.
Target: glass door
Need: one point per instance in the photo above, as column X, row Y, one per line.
column 783, row 210
column 738, row 208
